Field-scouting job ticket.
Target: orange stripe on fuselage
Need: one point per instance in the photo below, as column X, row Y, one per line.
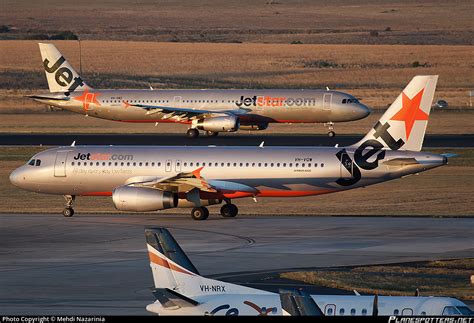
column 236, row 195
column 164, row 263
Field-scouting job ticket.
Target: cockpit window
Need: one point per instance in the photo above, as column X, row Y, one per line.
column 465, row 310
column 450, row 310
column 347, row 101
column 38, row 162
column 32, row 162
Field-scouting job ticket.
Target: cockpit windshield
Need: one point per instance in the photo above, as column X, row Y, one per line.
column 347, row 101
column 465, row 310
column 35, row 162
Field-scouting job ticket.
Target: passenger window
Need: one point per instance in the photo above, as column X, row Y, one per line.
column 291, row 164
column 185, row 164
column 235, row 164
column 253, row 164
column 128, row 163
column 271, row 164
column 353, row 311
column 197, row 164
column 152, row 164
column 241, row 164
column 97, row 163
column 216, row 164
column 302, row 165
column 159, row 164
column 266, row 164
column 78, row 163
column 146, row 164
column 322, row 164
column 222, row 164
column 296, row 165
column 259, row 164
column 344, row 101
column 140, row 164
column 38, row 162
column 91, row 163
column 341, row 312
column 284, row 164
column 396, row 312
column 228, row 164
column 278, row 164
column 72, row 164
column 103, row 163
column 364, row 311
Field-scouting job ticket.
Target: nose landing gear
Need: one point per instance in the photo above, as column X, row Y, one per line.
column 330, row 126
column 68, row 210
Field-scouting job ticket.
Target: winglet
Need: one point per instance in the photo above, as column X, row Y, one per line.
column 261, row 145
column 73, row 144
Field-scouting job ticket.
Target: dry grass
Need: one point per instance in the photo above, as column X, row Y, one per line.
column 444, row 191
column 341, row 21
column 435, row 278
column 375, row 73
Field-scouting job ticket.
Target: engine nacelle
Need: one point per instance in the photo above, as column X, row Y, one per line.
column 142, row 199
column 187, row 204
column 260, row 126
column 217, row 124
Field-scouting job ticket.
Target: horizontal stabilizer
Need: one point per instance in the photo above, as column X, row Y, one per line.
column 169, row 298
column 401, row 162
column 449, row 155
column 39, row 97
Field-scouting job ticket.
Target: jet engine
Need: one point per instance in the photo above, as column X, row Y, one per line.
column 260, row 126
column 216, row 124
column 142, row 199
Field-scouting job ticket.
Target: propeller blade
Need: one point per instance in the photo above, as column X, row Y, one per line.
column 375, row 307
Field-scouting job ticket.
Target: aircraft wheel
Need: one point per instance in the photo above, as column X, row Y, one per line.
column 68, row 212
column 229, row 210
column 200, row 213
column 211, row 133
column 331, row 134
column 192, row 133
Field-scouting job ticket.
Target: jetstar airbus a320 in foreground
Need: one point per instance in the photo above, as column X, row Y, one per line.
column 213, row 111
column 151, row 178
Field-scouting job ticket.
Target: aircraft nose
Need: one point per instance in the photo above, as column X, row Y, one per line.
column 16, row 177
column 361, row 111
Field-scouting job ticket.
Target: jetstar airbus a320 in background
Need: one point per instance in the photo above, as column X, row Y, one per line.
column 151, row 178
column 213, row 111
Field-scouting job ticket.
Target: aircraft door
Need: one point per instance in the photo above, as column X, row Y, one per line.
column 327, row 98
column 178, row 166
column 168, row 165
column 330, row 310
column 60, row 164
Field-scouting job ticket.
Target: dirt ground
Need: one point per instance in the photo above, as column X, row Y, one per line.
column 262, row 21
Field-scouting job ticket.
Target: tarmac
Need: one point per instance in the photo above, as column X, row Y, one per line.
column 17, row 139
column 97, row 264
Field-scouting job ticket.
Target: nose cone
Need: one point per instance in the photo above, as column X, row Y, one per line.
column 361, row 111
column 15, row 177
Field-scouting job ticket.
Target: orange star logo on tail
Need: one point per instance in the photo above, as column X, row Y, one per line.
column 87, row 98
column 410, row 112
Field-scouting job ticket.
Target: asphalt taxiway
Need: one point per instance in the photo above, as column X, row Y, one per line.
column 97, row 264
column 431, row 141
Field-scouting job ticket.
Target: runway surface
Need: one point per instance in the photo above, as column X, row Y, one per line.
column 97, row 264
column 222, row 140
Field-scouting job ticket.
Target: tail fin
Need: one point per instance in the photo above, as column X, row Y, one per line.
column 403, row 125
column 173, row 270
column 59, row 73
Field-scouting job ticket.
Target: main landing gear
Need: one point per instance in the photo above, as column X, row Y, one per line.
column 194, row 133
column 68, row 210
column 330, row 126
column 228, row 210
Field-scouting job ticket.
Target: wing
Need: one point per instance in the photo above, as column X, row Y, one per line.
column 184, row 182
column 181, row 182
column 185, row 114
